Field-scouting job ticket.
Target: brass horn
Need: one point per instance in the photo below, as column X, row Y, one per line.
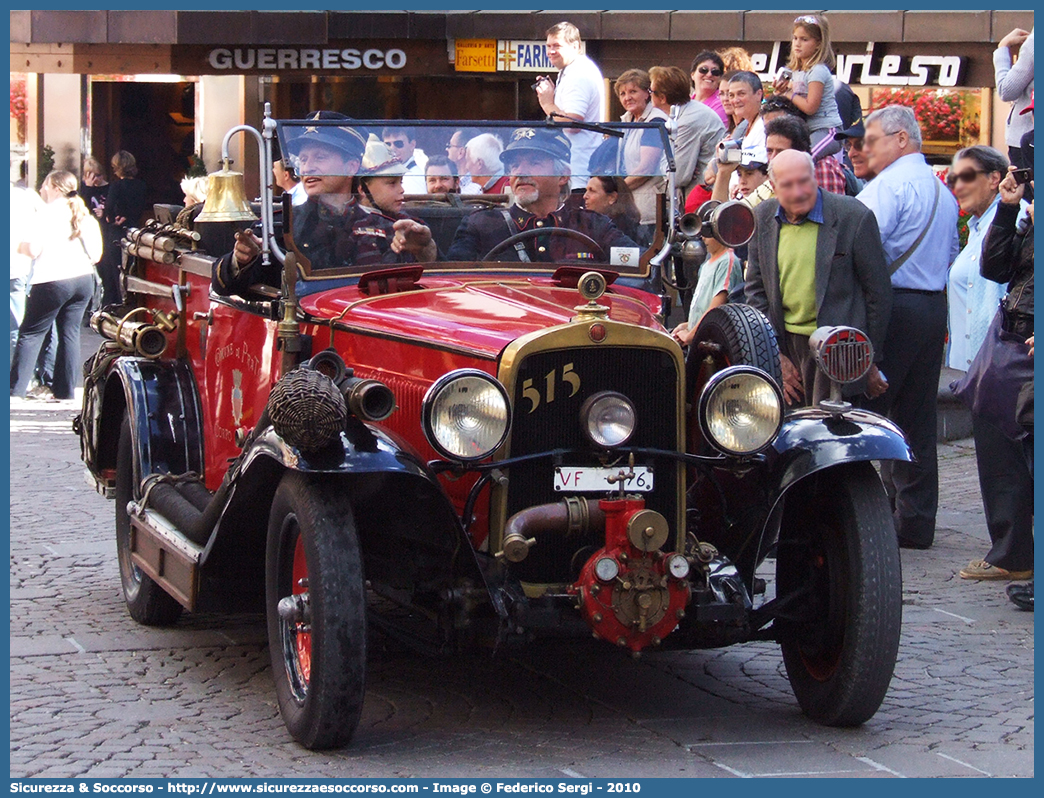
column 226, row 198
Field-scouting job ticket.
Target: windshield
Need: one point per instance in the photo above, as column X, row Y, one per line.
column 504, row 196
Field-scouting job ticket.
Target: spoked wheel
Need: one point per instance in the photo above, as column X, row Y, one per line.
column 147, row 602
column 316, row 608
column 840, row 582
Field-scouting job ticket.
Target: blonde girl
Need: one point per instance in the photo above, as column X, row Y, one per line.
column 66, row 243
column 811, row 83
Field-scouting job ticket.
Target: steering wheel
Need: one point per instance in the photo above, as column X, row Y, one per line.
column 525, row 235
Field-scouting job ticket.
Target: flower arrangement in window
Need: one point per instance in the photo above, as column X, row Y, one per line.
column 945, row 115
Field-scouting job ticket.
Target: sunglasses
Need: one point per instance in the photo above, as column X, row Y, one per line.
column 967, row 176
column 806, row 19
column 712, row 70
column 853, row 144
column 396, row 143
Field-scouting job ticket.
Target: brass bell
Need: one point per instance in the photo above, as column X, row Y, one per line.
column 226, row 198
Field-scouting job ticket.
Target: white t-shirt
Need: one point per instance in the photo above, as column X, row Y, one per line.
column 298, row 195
column 413, row 181
column 62, row 258
column 753, row 140
column 25, row 207
column 579, row 90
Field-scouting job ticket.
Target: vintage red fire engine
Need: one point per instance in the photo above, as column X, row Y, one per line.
column 476, row 453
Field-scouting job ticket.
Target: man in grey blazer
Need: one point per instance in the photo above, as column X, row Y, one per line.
column 816, row 260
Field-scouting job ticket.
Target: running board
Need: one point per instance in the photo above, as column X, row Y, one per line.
column 164, row 554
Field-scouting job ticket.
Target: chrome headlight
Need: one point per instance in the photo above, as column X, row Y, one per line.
column 740, row 410
column 466, row 415
column 608, row 419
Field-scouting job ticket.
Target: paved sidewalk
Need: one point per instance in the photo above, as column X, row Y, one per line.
column 93, row 694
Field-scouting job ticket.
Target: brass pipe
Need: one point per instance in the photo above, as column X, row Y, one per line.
column 567, row 517
column 140, row 337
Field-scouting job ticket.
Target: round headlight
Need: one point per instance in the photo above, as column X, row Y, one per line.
column 608, row 419
column 466, row 415
column 741, row 410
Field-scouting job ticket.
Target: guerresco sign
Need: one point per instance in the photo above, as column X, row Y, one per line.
column 286, row 58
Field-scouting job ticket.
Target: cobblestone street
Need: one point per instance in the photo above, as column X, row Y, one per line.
column 95, row 695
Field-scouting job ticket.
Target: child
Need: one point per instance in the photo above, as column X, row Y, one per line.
column 811, row 84
column 720, row 275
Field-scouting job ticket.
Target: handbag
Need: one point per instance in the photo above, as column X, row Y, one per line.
column 990, row 388
column 97, row 293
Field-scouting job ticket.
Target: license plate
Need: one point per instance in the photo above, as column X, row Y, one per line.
column 596, row 480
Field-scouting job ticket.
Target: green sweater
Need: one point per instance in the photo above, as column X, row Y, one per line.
column 796, row 256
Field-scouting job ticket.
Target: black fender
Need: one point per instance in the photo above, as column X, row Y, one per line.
column 810, row 440
column 163, row 404
column 411, row 536
column 813, row 439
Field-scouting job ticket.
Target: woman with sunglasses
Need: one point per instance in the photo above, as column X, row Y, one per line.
column 706, row 72
column 974, row 178
column 984, row 187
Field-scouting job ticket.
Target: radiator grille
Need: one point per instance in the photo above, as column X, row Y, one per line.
column 648, row 377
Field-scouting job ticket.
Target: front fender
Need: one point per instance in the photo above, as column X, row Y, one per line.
column 409, row 532
column 813, row 439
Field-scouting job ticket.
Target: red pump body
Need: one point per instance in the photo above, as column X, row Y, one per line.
column 642, row 603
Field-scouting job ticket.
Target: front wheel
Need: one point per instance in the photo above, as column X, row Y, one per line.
column 316, row 609
column 840, row 584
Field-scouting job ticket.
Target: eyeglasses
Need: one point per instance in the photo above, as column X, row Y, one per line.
column 853, row 144
column 657, row 92
column 396, row 143
column 712, row 70
column 806, row 19
column 870, row 142
column 967, row 176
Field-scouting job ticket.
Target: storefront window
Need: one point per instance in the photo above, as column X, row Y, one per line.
column 949, row 118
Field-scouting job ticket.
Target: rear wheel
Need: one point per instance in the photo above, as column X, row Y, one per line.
column 840, row 584
column 147, row 602
column 316, row 607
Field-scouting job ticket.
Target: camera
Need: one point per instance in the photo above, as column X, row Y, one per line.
column 1022, row 176
column 784, row 74
column 729, row 151
column 539, row 80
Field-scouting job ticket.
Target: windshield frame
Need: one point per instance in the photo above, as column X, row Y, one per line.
column 286, row 132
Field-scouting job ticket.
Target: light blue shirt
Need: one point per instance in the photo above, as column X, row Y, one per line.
column 901, row 197
column 973, row 299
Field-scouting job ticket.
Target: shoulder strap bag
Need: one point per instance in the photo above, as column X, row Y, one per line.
column 898, row 262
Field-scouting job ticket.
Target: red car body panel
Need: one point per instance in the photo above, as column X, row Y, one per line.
column 483, row 314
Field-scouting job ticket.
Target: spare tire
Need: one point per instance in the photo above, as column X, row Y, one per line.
column 744, row 337
column 732, row 334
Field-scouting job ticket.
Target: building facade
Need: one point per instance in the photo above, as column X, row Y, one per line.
column 167, row 84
